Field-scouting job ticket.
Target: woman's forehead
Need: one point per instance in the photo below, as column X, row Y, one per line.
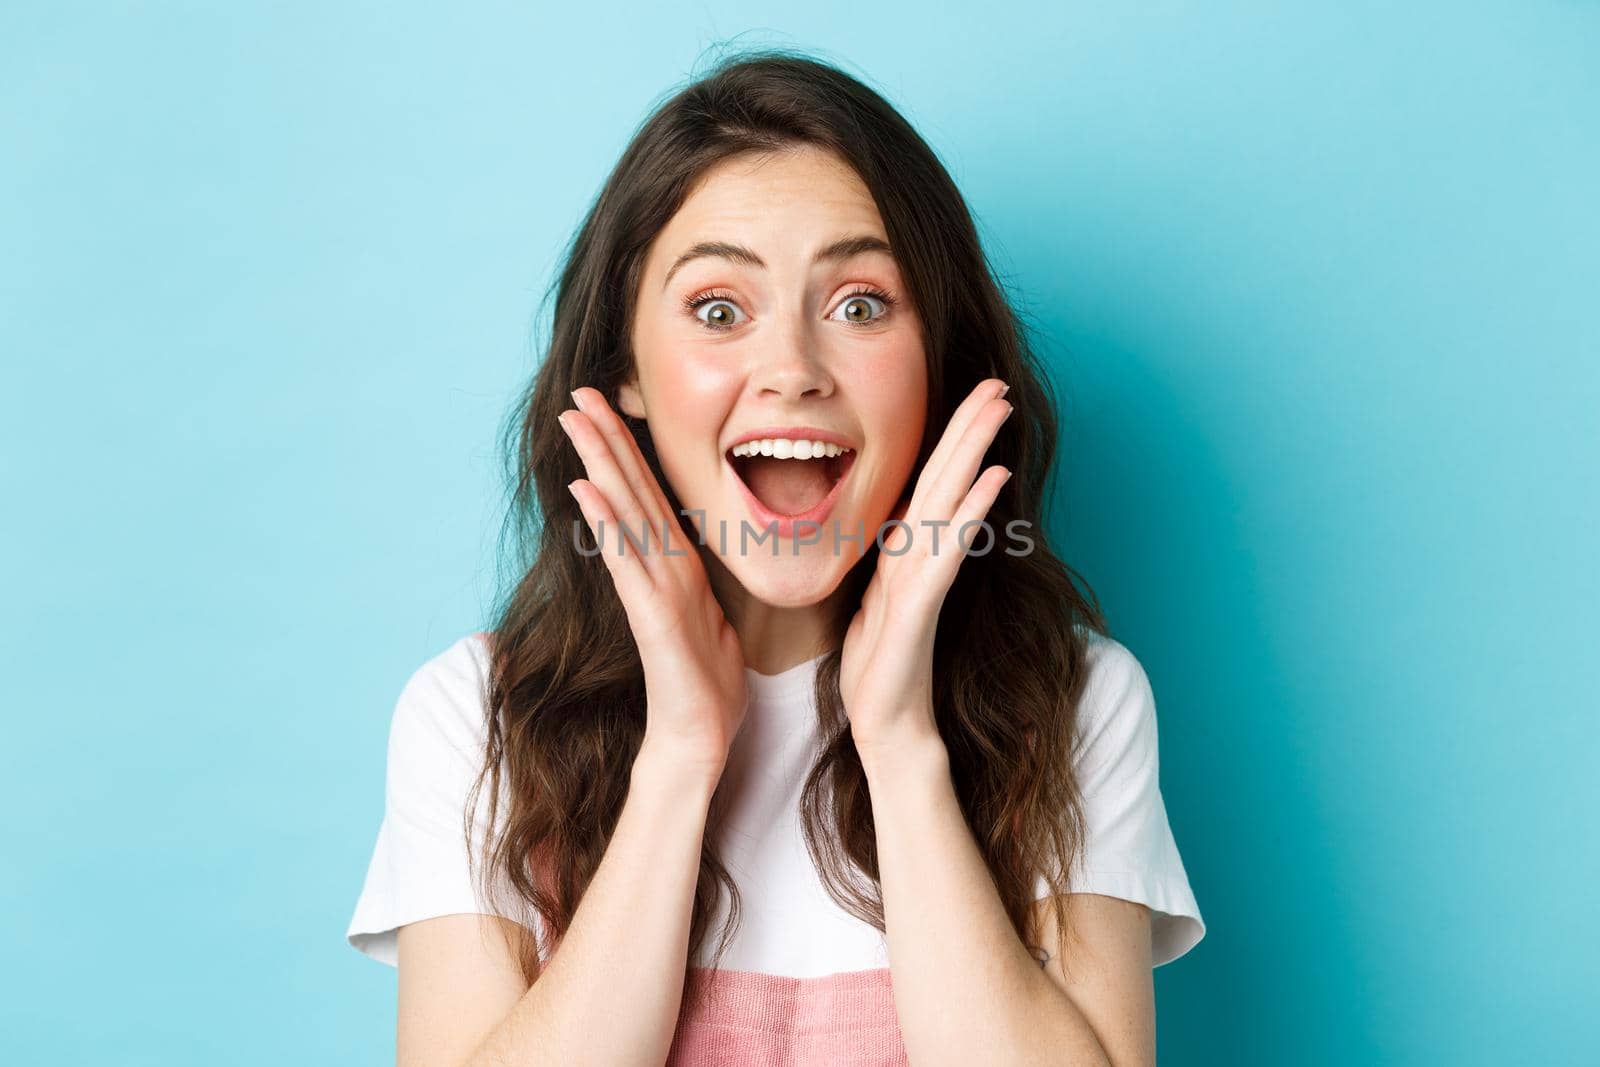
column 783, row 199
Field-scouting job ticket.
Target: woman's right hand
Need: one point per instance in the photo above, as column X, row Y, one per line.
column 693, row 665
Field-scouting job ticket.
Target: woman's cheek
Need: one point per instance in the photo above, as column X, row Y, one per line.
column 900, row 392
column 692, row 402
column 704, row 389
column 691, row 406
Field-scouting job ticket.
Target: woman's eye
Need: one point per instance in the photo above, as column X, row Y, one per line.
column 718, row 313
column 862, row 308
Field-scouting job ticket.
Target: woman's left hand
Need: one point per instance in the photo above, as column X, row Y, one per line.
column 886, row 663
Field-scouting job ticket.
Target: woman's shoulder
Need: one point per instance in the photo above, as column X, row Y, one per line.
column 1117, row 707
column 464, row 660
column 421, row 866
column 1112, row 667
column 445, row 698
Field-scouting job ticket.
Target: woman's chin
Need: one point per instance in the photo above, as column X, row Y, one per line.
column 789, row 581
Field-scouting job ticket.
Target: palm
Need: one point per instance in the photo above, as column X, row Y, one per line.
column 886, row 663
column 698, row 660
column 693, row 665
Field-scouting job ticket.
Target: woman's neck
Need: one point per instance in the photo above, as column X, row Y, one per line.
column 775, row 637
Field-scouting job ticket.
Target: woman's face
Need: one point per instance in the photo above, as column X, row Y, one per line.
column 770, row 306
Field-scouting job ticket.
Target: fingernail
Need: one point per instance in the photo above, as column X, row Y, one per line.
column 1003, row 389
column 573, row 491
column 562, row 419
column 1006, row 479
column 575, row 398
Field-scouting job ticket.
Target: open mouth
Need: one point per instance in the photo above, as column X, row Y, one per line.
column 789, row 480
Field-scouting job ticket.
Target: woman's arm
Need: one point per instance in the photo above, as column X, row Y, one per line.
column 966, row 989
column 611, row 993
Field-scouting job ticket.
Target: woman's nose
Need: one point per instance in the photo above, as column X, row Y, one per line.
column 790, row 366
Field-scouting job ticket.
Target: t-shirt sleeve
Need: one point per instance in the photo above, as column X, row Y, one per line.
column 1129, row 849
column 421, row 866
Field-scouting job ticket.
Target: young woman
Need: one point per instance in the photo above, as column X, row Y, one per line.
column 827, row 692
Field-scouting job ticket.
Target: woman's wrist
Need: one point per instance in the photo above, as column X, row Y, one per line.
column 919, row 750
column 676, row 769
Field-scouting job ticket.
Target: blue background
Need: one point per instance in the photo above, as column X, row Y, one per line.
column 1319, row 282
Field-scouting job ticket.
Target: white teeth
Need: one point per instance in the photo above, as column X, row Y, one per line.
column 788, row 448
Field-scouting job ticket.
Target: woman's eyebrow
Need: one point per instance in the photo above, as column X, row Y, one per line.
column 843, row 248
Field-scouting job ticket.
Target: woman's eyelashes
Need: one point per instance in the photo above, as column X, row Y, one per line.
column 857, row 306
column 720, row 308
column 722, row 311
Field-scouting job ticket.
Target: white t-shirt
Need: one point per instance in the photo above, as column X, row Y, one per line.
column 789, row 927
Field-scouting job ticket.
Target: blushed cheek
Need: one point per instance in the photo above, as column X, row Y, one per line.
column 895, row 389
column 688, row 402
column 698, row 394
column 699, row 388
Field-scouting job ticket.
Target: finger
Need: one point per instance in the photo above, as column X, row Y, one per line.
column 627, row 568
column 897, row 534
column 625, row 449
column 974, row 508
column 601, row 467
column 968, row 410
column 954, row 480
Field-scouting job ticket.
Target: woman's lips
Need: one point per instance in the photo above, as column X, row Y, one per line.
column 785, row 524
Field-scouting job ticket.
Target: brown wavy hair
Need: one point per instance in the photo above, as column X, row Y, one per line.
column 565, row 694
